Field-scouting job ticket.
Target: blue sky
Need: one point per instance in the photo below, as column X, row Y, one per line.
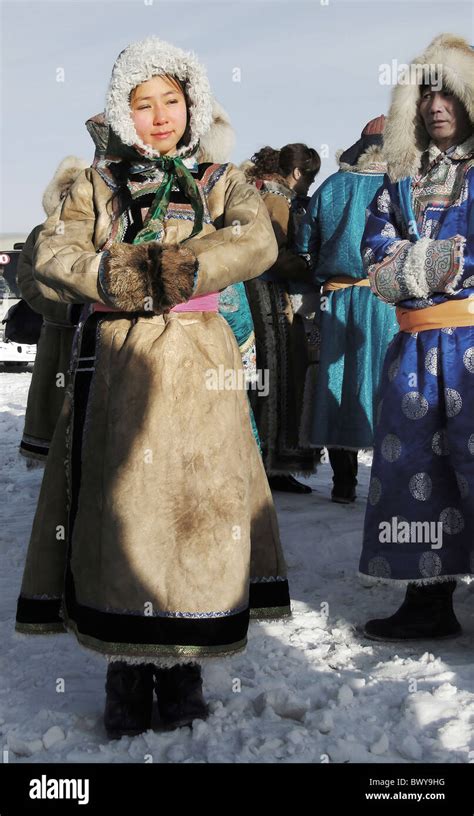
column 309, row 72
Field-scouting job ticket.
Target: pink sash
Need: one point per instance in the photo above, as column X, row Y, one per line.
column 199, row 303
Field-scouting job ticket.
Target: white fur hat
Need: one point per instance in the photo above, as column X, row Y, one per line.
column 138, row 63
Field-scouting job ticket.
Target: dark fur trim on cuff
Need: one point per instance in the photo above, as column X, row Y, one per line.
column 174, row 282
column 148, row 276
column 124, row 276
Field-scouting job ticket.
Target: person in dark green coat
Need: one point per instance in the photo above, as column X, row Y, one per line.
column 50, row 372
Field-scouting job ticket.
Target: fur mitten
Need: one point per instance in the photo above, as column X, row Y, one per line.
column 147, row 277
column 418, row 270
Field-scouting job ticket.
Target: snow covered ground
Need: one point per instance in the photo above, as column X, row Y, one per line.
column 312, row 689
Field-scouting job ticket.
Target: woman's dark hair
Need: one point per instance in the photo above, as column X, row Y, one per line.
column 268, row 161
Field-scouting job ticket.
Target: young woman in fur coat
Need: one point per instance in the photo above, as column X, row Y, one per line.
column 164, row 480
column 418, row 249
column 269, row 592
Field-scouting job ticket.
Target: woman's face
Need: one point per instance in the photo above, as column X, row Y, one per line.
column 158, row 110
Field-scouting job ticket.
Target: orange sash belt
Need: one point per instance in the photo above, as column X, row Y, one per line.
column 451, row 313
column 342, row 282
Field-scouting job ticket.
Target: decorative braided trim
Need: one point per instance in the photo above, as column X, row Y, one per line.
column 43, row 597
column 343, row 447
column 458, row 264
column 267, row 579
column 35, row 440
column 40, row 628
column 174, row 614
column 212, row 176
column 152, row 649
column 271, row 612
column 403, row 582
column 158, row 662
column 279, row 188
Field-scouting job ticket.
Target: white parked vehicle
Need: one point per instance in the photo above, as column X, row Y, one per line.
column 11, row 354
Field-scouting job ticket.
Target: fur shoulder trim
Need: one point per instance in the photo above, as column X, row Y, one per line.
column 217, row 144
column 371, row 161
column 64, row 177
column 275, row 184
column 247, row 167
column 405, row 137
column 152, row 57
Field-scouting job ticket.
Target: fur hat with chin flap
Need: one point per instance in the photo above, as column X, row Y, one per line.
column 140, row 62
column 405, row 136
column 64, row 177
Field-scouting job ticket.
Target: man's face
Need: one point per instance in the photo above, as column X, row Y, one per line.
column 444, row 116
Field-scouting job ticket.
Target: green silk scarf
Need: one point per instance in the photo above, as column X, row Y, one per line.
column 175, row 172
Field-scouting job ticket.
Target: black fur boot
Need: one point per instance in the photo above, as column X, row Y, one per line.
column 179, row 695
column 426, row 612
column 129, row 701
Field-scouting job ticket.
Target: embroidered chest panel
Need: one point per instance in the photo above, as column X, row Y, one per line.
column 143, row 191
column 445, row 185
